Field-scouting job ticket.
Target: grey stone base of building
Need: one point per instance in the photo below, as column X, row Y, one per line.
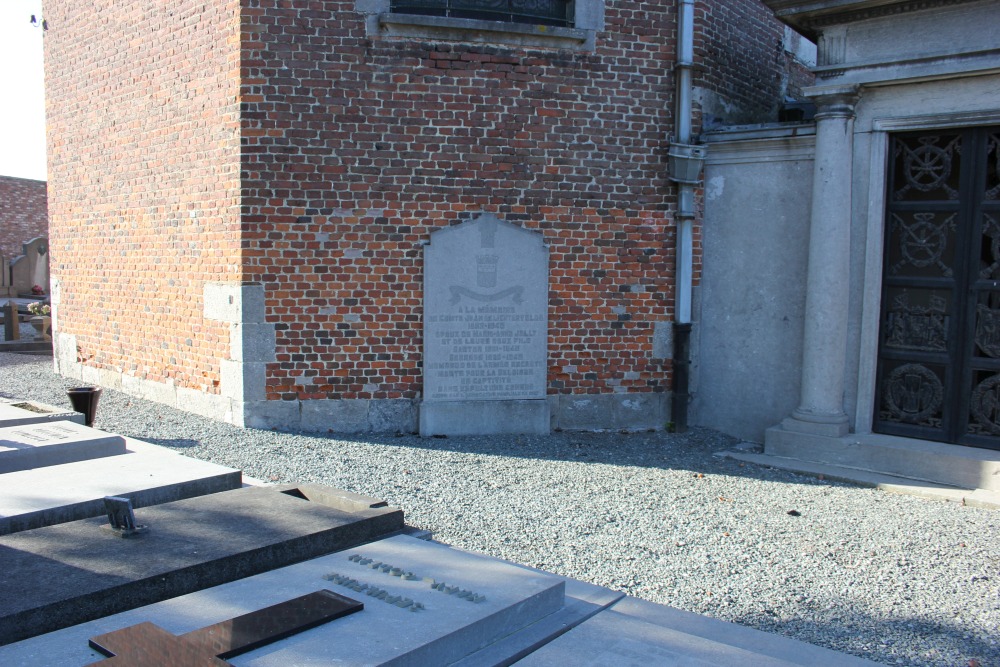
column 484, row 417
column 333, row 416
column 569, row 412
column 594, row 412
column 953, row 465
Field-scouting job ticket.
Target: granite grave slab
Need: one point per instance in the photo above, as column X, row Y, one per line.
column 424, row 604
column 18, row 413
column 39, row 445
column 485, row 330
column 146, row 474
column 637, row 633
column 60, row 575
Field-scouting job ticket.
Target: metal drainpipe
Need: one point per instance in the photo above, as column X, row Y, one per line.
column 686, row 161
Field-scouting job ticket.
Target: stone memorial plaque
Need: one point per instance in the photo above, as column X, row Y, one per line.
column 485, row 329
column 38, row 445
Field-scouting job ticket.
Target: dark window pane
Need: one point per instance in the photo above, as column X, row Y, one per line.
column 547, row 12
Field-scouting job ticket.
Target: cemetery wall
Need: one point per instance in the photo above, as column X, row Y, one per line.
column 358, row 146
column 142, row 107
column 23, row 214
column 297, row 156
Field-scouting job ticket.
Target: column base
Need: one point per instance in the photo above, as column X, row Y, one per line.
column 827, row 425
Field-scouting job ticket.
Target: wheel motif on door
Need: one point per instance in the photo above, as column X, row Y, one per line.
column 923, row 241
column 913, row 393
column 985, row 403
column 927, row 167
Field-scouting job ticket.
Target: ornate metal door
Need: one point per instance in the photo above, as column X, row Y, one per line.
column 939, row 341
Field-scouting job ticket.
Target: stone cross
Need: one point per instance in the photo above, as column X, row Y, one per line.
column 148, row 645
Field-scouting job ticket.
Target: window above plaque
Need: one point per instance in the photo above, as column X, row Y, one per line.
column 536, row 12
column 558, row 24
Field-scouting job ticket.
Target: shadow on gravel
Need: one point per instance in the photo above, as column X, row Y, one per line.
column 12, row 359
column 887, row 640
column 698, row 451
column 180, row 443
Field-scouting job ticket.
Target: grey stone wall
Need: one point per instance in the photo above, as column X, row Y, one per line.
column 752, row 294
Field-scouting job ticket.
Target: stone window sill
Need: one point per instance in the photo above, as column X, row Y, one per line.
column 487, row 32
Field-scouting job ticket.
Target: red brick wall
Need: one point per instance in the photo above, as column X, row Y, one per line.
column 142, row 109
column 741, row 47
column 323, row 170
column 357, row 149
column 23, row 214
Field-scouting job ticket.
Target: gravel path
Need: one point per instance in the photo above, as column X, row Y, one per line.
column 895, row 579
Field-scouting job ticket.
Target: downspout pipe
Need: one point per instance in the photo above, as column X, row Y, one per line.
column 685, row 164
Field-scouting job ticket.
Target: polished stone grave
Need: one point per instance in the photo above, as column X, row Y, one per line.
column 18, row 413
column 440, row 626
column 39, row 445
column 59, row 575
column 146, row 474
column 637, row 633
column 429, row 604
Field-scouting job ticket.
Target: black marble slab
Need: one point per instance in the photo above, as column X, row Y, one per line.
column 58, row 576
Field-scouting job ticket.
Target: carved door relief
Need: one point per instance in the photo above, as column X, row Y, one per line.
column 939, row 341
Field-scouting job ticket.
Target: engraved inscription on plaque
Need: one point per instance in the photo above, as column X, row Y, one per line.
column 485, row 312
column 47, row 433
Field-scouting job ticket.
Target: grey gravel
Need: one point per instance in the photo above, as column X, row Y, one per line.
column 892, row 578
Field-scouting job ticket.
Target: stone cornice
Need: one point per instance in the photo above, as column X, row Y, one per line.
column 809, row 17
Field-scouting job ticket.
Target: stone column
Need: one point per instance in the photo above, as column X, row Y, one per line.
column 821, row 405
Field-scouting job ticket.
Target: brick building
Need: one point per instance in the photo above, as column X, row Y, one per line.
column 23, row 214
column 241, row 190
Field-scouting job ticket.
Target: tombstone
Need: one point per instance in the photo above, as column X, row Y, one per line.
column 147, row 474
column 423, row 613
column 485, row 330
column 48, row 444
column 423, row 604
column 32, row 268
column 191, row 545
column 18, row 413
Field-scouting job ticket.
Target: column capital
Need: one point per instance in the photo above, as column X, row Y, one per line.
column 834, row 101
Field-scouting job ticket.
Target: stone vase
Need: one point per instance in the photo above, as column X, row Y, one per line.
column 43, row 327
